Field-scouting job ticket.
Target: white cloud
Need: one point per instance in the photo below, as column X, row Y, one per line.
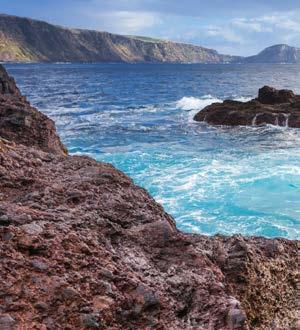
column 268, row 23
column 126, row 22
column 223, row 32
column 250, row 25
column 287, row 21
column 281, row 27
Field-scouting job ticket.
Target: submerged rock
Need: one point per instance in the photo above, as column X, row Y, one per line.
column 83, row 247
column 272, row 106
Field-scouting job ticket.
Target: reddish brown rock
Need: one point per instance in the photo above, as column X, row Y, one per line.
column 21, row 123
column 83, row 247
column 275, row 107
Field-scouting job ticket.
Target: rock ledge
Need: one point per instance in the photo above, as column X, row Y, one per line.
column 272, row 106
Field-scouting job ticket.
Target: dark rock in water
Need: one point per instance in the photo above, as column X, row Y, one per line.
column 270, row 95
column 83, row 247
column 272, row 106
column 22, row 123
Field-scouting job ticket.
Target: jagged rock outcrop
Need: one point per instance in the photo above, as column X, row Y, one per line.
column 22, row 123
column 24, row 39
column 8, row 86
column 83, row 247
column 275, row 107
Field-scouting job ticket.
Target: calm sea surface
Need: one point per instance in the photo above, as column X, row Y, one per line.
column 139, row 118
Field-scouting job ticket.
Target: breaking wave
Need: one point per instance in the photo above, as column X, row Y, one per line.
column 194, row 103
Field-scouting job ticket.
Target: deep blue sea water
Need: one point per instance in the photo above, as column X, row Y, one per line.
column 139, row 118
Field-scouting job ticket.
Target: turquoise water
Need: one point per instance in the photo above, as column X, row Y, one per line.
column 139, row 118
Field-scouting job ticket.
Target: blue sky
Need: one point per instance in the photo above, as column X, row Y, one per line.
column 229, row 26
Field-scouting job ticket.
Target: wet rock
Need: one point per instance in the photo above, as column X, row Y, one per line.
column 275, row 107
column 270, row 95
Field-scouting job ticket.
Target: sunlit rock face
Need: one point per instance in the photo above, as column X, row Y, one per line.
column 24, row 39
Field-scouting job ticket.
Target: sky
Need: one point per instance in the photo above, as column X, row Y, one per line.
column 230, row 26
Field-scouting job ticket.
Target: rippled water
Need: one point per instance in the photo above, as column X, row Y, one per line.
column 139, row 117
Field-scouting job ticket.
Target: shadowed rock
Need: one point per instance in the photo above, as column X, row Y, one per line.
column 83, row 247
column 22, row 123
column 272, row 106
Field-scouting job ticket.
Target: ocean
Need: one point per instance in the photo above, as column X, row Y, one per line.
column 139, row 117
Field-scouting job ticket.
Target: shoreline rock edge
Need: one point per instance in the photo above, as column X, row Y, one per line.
column 272, row 106
column 83, row 247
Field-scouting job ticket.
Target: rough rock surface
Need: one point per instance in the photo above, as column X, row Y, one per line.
column 82, row 247
column 22, row 123
column 272, row 106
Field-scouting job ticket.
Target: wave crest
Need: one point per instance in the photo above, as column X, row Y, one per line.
column 194, row 103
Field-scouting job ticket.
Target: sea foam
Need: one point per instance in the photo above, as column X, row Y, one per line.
column 194, row 103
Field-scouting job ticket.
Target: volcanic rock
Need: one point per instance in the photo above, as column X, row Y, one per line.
column 21, row 123
column 83, row 247
column 272, row 106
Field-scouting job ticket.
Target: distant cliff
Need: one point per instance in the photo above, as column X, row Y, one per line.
column 23, row 39
column 28, row 40
column 276, row 54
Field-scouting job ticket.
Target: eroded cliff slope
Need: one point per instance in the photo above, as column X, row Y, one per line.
column 24, row 39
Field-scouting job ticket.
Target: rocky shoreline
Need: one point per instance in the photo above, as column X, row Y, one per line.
column 83, row 247
column 272, row 106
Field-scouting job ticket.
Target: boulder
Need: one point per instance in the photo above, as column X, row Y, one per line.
column 270, row 95
column 272, row 106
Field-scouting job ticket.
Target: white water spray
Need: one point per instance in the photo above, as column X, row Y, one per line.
column 286, row 116
column 254, row 120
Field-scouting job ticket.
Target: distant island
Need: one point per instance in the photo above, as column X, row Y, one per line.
column 28, row 40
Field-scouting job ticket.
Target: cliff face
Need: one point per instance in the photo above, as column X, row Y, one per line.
column 276, row 54
column 82, row 247
column 23, row 39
